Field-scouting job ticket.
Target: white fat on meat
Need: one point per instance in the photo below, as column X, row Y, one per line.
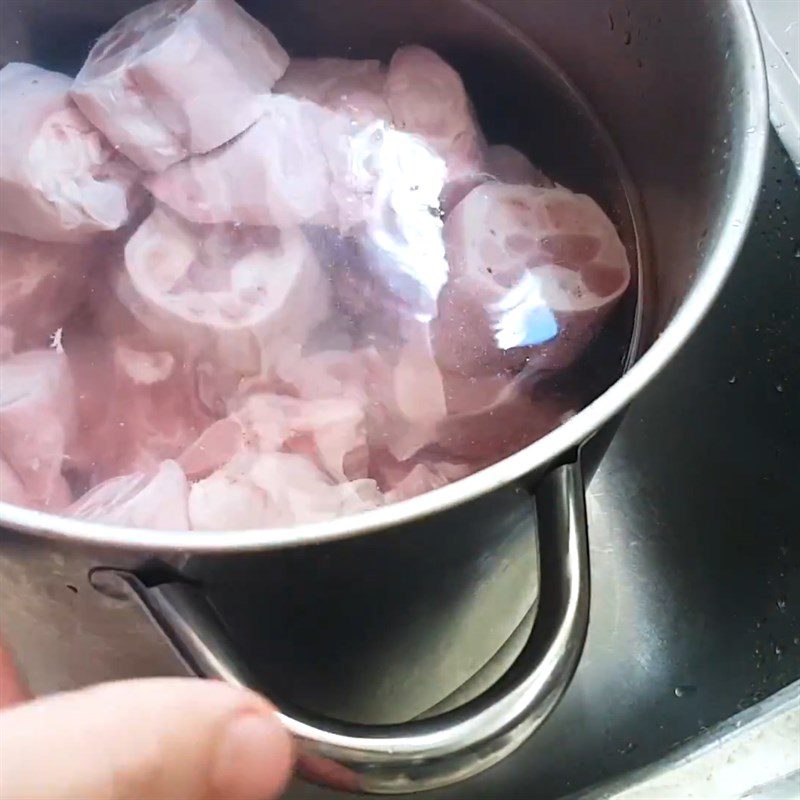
column 273, row 490
column 41, row 284
column 38, row 423
column 60, row 180
column 177, row 78
column 535, row 273
column 155, row 500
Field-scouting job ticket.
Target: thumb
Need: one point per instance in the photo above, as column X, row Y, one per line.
column 153, row 739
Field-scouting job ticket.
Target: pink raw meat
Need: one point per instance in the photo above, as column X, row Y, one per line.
column 11, row 488
column 214, row 448
column 426, row 97
column 37, row 423
column 506, row 164
column 155, row 500
column 536, row 272
column 502, row 163
column 330, row 430
column 275, row 173
column 399, row 391
column 179, row 77
column 41, row 283
column 355, row 87
column 229, row 295
column 402, row 480
column 6, row 341
column 137, row 407
column 275, row 489
column 60, row 181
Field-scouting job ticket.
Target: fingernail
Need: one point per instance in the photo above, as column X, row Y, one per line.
column 253, row 759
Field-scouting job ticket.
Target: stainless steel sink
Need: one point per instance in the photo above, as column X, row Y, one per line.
column 695, row 541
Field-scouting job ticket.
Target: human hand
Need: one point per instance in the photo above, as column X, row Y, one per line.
column 149, row 739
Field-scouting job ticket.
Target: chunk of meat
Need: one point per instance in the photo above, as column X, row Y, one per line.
column 37, row 423
column 275, row 173
column 60, row 180
column 153, row 500
column 273, row 490
column 506, row 164
column 6, row 341
column 427, row 97
column 216, row 446
column 341, row 84
column 41, row 284
column 11, row 488
column 398, row 390
column 330, row 431
column 230, row 296
column 177, row 78
column 536, row 272
column 137, row 407
column 401, row 480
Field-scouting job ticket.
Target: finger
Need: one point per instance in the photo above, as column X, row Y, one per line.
column 155, row 739
column 12, row 687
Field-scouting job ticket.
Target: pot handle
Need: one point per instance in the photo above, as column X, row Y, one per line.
column 444, row 749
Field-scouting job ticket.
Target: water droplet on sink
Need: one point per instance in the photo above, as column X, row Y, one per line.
column 797, row 250
column 779, row 387
column 781, row 604
column 684, row 691
column 629, row 748
column 732, row 380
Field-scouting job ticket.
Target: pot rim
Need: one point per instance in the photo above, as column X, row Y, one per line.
column 720, row 261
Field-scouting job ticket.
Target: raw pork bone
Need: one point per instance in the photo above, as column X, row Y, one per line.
column 41, row 284
column 178, row 77
column 37, row 424
column 535, row 273
column 427, row 98
column 138, row 406
column 60, row 181
column 275, row 173
column 154, row 500
column 272, row 490
column 229, row 298
column 341, row 84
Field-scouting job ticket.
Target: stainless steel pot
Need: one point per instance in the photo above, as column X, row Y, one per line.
column 679, row 86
